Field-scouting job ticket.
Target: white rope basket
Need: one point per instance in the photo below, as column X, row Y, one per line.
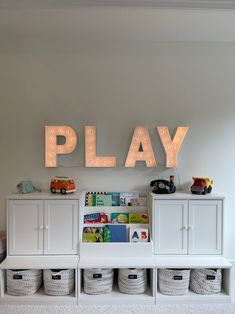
column 132, row 280
column 58, row 281
column 23, row 282
column 98, row 280
column 206, row 281
column 173, row 281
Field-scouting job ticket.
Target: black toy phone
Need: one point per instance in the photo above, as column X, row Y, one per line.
column 162, row 186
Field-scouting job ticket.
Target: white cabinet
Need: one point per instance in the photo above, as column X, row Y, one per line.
column 61, row 227
column 25, row 227
column 42, row 227
column 205, row 227
column 186, row 225
column 170, row 219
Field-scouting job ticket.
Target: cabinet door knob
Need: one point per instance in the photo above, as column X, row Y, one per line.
column 184, row 227
column 46, row 227
column 41, row 227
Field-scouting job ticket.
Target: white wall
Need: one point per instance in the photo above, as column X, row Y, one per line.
column 117, row 69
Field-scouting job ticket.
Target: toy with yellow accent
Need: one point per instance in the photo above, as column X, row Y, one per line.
column 201, row 185
column 63, row 185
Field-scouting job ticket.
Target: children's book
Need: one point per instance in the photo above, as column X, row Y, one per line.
column 119, row 218
column 139, row 235
column 92, row 234
column 102, row 200
column 97, row 218
column 115, row 198
column 115, row 233
column 141, row 218
column 129, row 198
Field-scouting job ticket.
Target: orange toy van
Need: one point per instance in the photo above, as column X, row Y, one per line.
column 62, row 185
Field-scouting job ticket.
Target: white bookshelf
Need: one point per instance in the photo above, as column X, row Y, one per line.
column 117, row 249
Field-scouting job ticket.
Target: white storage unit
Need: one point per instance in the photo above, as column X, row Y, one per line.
column 184, row 223
column 186, row 232
column 42, row 224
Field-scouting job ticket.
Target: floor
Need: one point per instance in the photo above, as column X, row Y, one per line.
column 159, row 309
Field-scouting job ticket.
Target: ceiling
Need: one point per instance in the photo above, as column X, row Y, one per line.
column 201, row 4
column 27, row 25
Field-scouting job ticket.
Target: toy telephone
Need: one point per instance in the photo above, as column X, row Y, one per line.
column 26, row 187
column 162, row 186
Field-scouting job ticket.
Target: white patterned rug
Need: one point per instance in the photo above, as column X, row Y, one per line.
column 159, row 309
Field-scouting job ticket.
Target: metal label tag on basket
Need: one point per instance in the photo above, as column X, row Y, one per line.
column 56, row 277
column 132, row 276
column 96, row 276
column 178, row 277
column 17, row 277
column 210, row 277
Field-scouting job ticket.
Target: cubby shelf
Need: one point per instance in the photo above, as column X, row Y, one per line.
column 192, row 297
column 39, row 298
column 118, row 298
column 38, row 262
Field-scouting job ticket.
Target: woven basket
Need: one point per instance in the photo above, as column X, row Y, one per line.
column 132, row 280
column 173, row 281
column 98, row 280
column 23, row 282
column 58, row 281
column 206, row 281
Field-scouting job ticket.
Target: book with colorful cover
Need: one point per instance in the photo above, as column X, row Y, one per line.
column 139, row 234
column 139, row 218
column 119, row 218
column 97, row 218
column 115, row 233
column 129, row 198
column 115, row 198
column 102, row 200
column 92, row 234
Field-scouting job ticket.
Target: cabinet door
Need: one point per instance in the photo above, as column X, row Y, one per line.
column 205, row 227
column 25, row 227
column 61, row 227
column 169, row 227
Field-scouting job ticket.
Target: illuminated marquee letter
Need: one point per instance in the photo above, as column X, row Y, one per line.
column 141, row 140
column 51, row 147
column 91, row 159
column 172, row 147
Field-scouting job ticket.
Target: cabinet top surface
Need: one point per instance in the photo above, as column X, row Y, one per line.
column 43, row 195
column 186, row 195
column 40, row 262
